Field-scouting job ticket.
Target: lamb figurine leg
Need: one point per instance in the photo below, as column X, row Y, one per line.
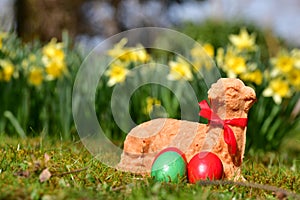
column 229, row 99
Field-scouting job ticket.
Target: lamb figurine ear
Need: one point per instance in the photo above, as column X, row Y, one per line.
column 217, row 91
column 216, row 96
column 249, row 97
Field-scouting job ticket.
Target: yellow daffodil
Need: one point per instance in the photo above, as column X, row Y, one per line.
column 180, row 70
column 127, row 56
column 54, row 59
column 32, row 58
column 294, row 78
column 2, row 36
column 283, row 62
column 209, row 49
column 278, row 89
column 254, row 77
column 7, row 73
column 54, row 50
column 199, row 63
column 117, row 73
column 220, row 57
column 234, row 65
column 55, row 69
column 118, row 49
column 150, row 103
column 35, row 76
column 295, row 53
column 202, row 51
column 243, row 41
column 141, row 54
column 197, row 51
column 25, row 63
column 202, row 55
column 133, row 54
column 7, row 70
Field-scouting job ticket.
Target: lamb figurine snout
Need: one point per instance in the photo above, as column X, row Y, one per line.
column 229, row 99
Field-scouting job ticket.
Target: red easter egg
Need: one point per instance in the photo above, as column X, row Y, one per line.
column 171, row 149
column 203, row 166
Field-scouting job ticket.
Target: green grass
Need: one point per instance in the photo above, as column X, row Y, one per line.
column 77, row 175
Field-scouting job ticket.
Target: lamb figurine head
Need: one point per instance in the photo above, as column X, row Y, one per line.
column 229, row 99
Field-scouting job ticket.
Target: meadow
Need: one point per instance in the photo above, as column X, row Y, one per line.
column 76, row 174
column 42, row 155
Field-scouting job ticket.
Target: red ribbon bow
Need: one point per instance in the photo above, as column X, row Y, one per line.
column 213, row 118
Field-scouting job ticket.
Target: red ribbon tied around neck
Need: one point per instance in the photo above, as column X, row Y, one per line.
column 213, row 118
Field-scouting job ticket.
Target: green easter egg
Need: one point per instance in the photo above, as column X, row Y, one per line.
column 168, row 167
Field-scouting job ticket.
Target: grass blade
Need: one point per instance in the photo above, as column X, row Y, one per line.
column 15, row 123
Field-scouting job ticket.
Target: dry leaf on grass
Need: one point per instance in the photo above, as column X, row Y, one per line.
column 22, row 173
column 46, row 158
column 45, row 175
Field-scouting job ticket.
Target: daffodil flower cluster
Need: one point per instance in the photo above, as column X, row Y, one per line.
column 7, row 70
column 3, row 35
column 36, row 64
column 284, row 75
column 123, row 58
column 54, row 59
column 36, row 82
column 180, row 69
column 280, row 78
column 236, row 60
column 151, row 102
column 201, row 57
